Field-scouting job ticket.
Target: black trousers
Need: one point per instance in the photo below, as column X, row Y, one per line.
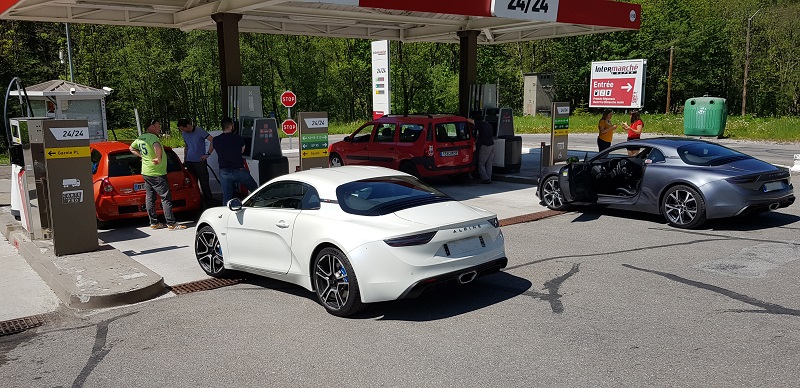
column 200, row 171
column 602, row 145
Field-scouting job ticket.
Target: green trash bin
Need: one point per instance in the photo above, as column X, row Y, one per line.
column 705, row 116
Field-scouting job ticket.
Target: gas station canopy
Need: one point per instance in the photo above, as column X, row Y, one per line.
column 499, row 21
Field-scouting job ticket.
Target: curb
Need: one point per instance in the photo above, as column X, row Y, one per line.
column 514, row 179
column 99, row 279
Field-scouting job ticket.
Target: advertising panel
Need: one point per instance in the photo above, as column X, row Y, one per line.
column 380, row 79
column 617, row 84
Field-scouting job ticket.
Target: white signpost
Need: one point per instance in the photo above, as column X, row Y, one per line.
column 381, row 101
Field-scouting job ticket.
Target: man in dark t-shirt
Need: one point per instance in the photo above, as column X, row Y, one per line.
column 229, row 147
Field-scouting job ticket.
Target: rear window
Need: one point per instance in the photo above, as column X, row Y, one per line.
column 708, row 154
column 379, row 196
column 409, row 133
column 452, row 132
column 125, row 163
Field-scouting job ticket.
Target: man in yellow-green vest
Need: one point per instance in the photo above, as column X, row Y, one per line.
column 154, row 172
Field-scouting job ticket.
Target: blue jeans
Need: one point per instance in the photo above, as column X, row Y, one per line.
column 229, row 177
column 158, row 185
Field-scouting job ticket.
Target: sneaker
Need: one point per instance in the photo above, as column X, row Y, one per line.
column 176, row 227
column 158, row 226
column 486, row 182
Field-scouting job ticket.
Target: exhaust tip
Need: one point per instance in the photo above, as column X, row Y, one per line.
column 774, row 206
column 467, row 277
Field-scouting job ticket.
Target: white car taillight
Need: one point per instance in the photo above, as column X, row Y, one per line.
column 417, row 239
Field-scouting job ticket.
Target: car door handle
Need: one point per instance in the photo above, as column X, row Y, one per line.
column 282, row 224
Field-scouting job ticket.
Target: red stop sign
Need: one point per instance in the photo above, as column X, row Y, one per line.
column 289, row 127
column 288, row 99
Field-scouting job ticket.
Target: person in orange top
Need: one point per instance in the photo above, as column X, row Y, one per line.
column 634, row 130
column 606, row 130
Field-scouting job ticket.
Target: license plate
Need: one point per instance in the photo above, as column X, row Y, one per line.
column 138, row 186
column 773, row 186
column 464, row 245
column 449, row 153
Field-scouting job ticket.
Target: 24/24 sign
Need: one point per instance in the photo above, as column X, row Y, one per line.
column 544, row 10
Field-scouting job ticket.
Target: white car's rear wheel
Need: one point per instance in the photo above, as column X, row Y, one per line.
column 336, row 284
column 208, row 251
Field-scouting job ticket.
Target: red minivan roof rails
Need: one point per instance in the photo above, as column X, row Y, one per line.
column 428, row 115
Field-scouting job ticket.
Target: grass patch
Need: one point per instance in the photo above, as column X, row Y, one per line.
column 779, row 129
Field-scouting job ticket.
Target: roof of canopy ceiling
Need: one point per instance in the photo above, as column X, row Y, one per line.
column 499, row 21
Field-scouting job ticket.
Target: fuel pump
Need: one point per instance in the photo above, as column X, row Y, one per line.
column 14, row 145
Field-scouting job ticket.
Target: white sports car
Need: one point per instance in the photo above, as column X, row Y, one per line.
column 352, row 234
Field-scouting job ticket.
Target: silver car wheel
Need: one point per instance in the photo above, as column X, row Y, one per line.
column 336, row 160
column 551, row 194
column 208, row 251
column 333, row 287
column 683, row 207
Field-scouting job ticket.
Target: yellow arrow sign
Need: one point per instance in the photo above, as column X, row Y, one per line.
column 66, row 152
column 318, row 153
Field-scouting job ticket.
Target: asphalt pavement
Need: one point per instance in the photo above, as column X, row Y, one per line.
column 143, row 259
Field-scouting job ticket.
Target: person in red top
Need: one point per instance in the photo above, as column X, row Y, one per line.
column 634, row 130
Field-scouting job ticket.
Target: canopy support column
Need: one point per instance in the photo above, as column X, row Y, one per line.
column 468, row 68
column 230, row 62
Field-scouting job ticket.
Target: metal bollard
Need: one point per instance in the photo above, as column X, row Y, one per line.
column 544, row 156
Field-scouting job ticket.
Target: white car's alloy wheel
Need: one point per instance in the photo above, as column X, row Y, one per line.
column 208, row 251
column 335, row 283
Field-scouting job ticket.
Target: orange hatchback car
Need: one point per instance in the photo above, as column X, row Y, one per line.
column 119, row 191
column 421, row 145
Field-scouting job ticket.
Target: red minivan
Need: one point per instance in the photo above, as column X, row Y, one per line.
column 420, row 145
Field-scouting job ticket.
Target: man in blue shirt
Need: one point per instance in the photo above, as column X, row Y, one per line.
column 195, row 155
column 229, row 147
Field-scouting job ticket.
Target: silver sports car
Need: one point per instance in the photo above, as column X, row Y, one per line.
column 686, row 180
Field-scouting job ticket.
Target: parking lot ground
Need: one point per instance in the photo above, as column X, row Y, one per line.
column 591, row 297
